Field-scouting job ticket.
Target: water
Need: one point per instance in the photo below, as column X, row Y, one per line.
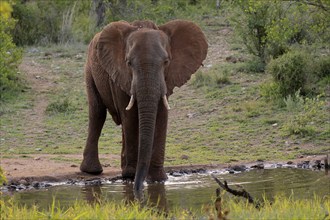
column 189, row 191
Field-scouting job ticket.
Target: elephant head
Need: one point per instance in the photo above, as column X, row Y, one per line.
column 147, row 62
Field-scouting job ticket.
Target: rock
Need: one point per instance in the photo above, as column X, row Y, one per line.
column 239, row 168
column 303, row 165
column 232, row 59
column 176, row 174
column 12, row 187
column 258, row 166
column 191, row 115
column 23, row 182
column 317, row 165
column 73, row 165
column 184, row 157
column 231, row 171
column 78, row 57
column 275, row 125
column 279, row 165
column 93, row 182
column 35, row 184
column 33, row 50
column 37, row 158
column 38, row 149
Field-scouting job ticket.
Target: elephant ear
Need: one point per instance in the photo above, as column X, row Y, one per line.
column 188, row 48
column 111, row 51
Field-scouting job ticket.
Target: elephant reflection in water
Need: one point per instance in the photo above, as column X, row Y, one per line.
column 92, row 194
column 156, row 195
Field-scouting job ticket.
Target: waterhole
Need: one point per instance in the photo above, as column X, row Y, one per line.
column 186, row 191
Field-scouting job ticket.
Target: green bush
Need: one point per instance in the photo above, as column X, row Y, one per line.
column 3, row 178
column 43, row 22
column 322, row 66
column 269, row 28
column 60, row 106
column 271, row 92
column 304, row 122
column 292, row 72
column 216, row 77
column 10, row 57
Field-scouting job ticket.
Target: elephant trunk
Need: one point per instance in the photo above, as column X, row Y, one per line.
column 148, row 97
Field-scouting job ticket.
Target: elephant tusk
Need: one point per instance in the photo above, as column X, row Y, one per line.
column 167, row 106
column 131, row 103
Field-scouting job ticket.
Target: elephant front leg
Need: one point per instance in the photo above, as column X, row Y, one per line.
column 156, row 169
column 97, row 115
column 129, row 152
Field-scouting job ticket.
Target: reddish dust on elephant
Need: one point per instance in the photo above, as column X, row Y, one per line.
column 131, row 70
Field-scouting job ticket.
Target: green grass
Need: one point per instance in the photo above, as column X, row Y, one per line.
column 279, row 208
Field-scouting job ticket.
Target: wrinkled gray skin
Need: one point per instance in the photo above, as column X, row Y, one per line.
column 131, row 69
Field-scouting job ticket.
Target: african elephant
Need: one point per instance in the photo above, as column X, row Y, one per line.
column 130, row 71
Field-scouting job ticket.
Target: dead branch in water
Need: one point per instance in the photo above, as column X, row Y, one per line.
column 241, row 193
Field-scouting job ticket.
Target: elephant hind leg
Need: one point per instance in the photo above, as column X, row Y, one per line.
column 97, row 115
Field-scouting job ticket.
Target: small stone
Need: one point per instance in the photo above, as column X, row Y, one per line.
column 177, row 174
column 73, row 165
column 258, row 166
column 191, row 115
column 35, row 184
column 37, row 158
column 275, row 125
column 33, row 50
column 23, row 182
column 38, row 149
column 79, row 57
column 184, row 157
column 239, row 168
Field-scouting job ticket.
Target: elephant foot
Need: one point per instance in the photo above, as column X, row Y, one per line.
column 128, row 173
column 156, row 174
column 91, row 167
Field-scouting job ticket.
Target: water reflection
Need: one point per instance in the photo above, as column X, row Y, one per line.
column 188, row 191
column 155, row 195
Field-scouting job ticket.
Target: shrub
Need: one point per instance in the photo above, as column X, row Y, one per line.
column 322, row 66
column 271, row 92
column 295, row 102
column 269, row 28
column 60, row 106
column 303, row 122
column 10, row 56
column 216, row 77
column 292, row 72
column 3, row 178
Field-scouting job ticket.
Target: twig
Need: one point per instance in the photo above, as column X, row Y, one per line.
column 243, row 193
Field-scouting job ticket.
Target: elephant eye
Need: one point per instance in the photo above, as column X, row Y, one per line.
column 129, row 63
column 166, row 62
